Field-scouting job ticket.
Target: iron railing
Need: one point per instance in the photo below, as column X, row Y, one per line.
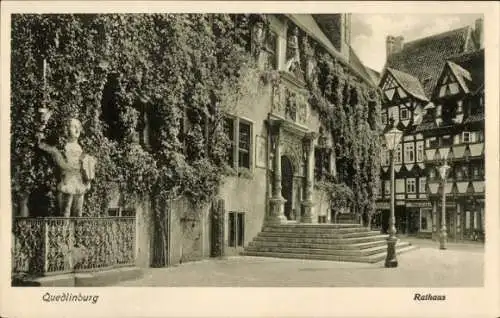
column 57, row 245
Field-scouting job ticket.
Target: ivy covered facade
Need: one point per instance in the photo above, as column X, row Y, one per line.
column 272, row 117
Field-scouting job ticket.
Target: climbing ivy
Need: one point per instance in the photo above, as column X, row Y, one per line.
column 350, row 110
column 111, row 71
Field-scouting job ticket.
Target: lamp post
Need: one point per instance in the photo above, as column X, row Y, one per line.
column 392, row 139
column 443, row 170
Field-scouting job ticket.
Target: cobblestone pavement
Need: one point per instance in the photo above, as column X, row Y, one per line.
column 461, row 265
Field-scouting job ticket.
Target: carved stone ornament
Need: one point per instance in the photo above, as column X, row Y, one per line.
column 293, row 53
column 292, row 147
column 258, row 37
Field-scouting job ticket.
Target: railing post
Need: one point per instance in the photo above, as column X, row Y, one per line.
column 45, row 235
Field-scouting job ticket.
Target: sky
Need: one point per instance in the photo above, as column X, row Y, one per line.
column 368, row 31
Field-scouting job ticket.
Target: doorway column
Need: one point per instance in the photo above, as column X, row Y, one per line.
column 276, row 202
column 308, row 144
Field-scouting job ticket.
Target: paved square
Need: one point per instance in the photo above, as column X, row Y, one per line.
column 461, row 265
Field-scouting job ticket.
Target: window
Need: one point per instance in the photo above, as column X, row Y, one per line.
column 384, row 118
column 438, row 111
column 398, row 158
column 400, row 185
column 404, row 114
column 244, row 145
column 459, row 174
column 409, row 152
column 410, row 185
column 387, row 188
column 236, row 229
column 467, row 220
column 476, row 221
column 321, row 161
column 431, row 142
column 229, row 127
column 446, row 141
column 420, row 151
column 239, row 133
column 466, row 137
column 422, row 184
column 475, row 172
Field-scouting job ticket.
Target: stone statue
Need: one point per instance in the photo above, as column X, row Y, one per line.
column 77, row 169
column 292, row 54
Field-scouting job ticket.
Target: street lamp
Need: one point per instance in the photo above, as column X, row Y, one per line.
column 392, row 139
column 443, row 171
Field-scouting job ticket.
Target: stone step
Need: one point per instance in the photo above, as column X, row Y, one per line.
column 317, row 230
column 324, row 251
column 321, row 240
column 317, row 245
column 312, row 235
column 360, row 259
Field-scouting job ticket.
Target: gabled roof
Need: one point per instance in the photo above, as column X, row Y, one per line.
column 473, row 62
column 461, row 75
column 426, row 57
column 409, row 83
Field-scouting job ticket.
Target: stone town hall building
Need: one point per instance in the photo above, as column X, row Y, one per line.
column 434, row 91
column 268, row 205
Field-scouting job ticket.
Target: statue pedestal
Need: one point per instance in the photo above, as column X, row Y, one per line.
column 307, row 217
column 276, row 211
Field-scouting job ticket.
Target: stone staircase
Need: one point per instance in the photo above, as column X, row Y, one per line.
column 335, row 242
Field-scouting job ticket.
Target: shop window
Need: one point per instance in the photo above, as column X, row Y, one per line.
column 423, row 222
column 410, row 185
column 236, row 228
column 239, row 132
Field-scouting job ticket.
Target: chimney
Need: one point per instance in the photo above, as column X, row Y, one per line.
column 393, row 44
column 479, row 32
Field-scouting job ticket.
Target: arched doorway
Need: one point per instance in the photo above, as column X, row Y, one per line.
column 287, row 185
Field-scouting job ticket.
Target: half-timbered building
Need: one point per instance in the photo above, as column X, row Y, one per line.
column 433, row 92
